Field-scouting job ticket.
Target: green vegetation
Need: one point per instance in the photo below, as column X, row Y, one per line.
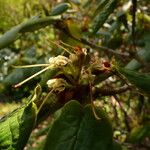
column 77, row 73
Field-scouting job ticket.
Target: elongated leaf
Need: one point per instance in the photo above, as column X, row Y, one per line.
column 16, row 127
column 31, row 25
column 134, row 64
column 77, row 2
column 103, row 15
column 139, row 133
column 100, row 6
column 18, row 75
column 60, row 8
column 14, row 77
column 37, row 23
column 144, row 53
column 10, row 36
column 140, row 80
column 76, row 128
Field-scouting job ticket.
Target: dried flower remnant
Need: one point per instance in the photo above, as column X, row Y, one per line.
column 59, row 61
column 58, row 84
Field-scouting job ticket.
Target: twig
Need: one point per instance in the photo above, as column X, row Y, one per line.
column 124, row 112
column 92, row 103
column 109, row 91
column 105, row 49
column 44, row 101
column 64, row 29
column 134, row 8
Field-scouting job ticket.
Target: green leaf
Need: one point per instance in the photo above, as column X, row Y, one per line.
column 116, row 146
column 76, row 128
column 77, row 2
column 100, row 6
column 48, row 75
column 10, row 36
column 37, row 23
column 60, row 8
column 140, row 80
column 103, row 15
column 19, row 74
column 15, row 128
column 139, row 133
column 31, row 25
column 16, row 76
column 144, row 53
column 74, row 28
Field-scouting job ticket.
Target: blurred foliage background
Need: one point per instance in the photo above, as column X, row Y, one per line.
column 126, row 30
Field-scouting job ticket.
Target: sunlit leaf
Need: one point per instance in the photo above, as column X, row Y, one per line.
column 15, row 128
